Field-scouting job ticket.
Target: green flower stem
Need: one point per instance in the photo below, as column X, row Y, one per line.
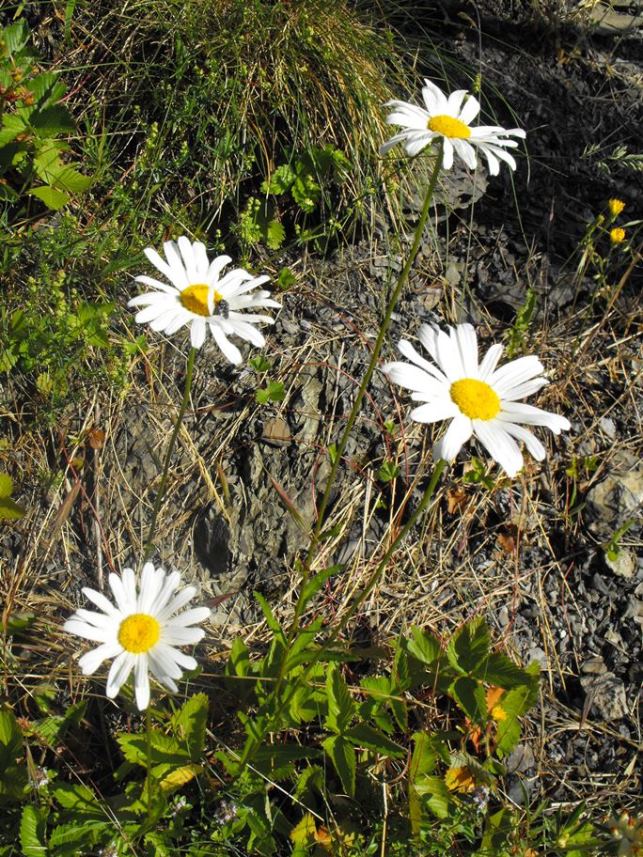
column 148, row 752
column 377, row 348
column 149, row 544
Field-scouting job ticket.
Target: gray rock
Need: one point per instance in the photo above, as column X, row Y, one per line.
column 606, row 696
column 623, row 564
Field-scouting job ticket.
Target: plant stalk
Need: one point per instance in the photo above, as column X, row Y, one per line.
column 187, row 387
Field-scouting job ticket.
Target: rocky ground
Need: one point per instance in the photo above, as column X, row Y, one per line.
column 530, row 554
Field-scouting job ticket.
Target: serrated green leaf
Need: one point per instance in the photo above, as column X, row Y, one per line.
column 502, row 672
column 341, row 707
column 364, row 735
column 275, row 234
column 470, row 696
column 11, row 126
column 239, row 659
column 46, row 88
column 77, row 837
column 423, row 646
column 52, row 198
column 32, row 831
column 280, row 180
column 78, row 798
column 342, row 755
column 15, row 36
column 189, row 723
column 52, row 120
column 468, row 649
column 166, row 752
column 302, row 648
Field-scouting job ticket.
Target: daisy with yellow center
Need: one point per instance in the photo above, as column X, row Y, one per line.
column 449, row 119
column 140, row 631
column 199, row 295
column 480, row 400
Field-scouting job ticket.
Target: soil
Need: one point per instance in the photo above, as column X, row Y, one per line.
column 539, row 572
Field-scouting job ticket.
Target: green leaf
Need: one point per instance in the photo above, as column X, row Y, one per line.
column 468, row 649
column 275, row 234
column 53, row 199
column 166, row 752
column 10, row 738
column 11, row 126
column 190, row 721
column 342, row 755
column 6, row 486
column 364, row 735
column 15, row 37
column 46, row 88
column 32, row 831
column 51, row 121
column 470, row 696
column 280, row 180
column 312, row 586
column 341, row 707
column 439, row 801
column 77, row 837
column 502, row 672
column 301, row 649
column 269, row 616
column 78, row 798
column 423, row 646
column 239, row 659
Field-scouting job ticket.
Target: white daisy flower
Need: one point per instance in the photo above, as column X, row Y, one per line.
column 140, row 631
column 479, row 399
column 201, row 297
column 449, row 119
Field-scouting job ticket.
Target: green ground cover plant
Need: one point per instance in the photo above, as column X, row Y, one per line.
column 313, row 733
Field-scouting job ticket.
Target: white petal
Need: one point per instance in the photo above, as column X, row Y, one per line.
column 153, row 311
column 435, row 411
column 520, row 391
column 456, row 435
column 518, row 412
column 447, row 154
column 416, row 141
column 161, row 605
column 90, row 662
column 499, row 444
column 179, row 601
column 454, row 102
column 100, row 601
column 197, row 332
column 181, row 318
column 165, row 320
column 469, row 110
column 412, row 377
column 98, row 620
column 129, row 586
column 141, row 683
column 467, row 342
column 162, row 665
column 411, row 354
column 176, row 636
column 434, row 98
column 466, row 152
column 156, row 284
column 535, row 447
column 515, row 372
column 187, row 255
column 118, row 673
column 449, row 359
column 151, row 585
column 428, row 337
column 188, row 617
column 394, row 140
column 87, row 631
column 216, row 266
column 161, row 265
column 179, row 275
column 490, row 362
column 246, row 331
column 150, row 298
column 492, row 161
column 185, row 661
column 201, row 261
column 230, row 351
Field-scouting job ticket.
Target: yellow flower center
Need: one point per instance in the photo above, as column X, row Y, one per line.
column 617, row 235
column 476, row 400
column 138, row 633
column 195, row 298
column 449, row 127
